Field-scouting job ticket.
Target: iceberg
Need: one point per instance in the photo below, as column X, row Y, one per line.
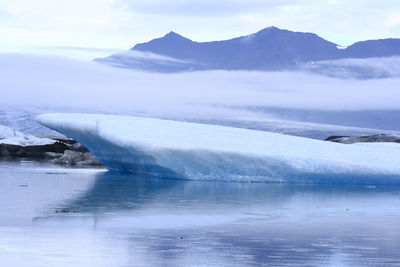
column 172, row 149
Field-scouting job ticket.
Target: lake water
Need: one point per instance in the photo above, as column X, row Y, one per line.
column 54, row 216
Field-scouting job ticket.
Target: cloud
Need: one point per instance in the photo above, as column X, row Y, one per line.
column 119, row 24
column 362, row 68
column 257, row 100
column 58, row 82
column 83, row 53
column 202, row 7
column 79, row 23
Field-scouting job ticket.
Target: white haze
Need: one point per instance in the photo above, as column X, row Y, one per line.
column 60, row 82
column 357, row 67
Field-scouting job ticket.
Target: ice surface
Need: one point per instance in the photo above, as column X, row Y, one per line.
column 11, row 136
column 6, row 132
column 23, row 119
column 27, row 140
column 196, row 151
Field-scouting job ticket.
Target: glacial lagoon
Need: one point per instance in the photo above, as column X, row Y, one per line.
column 56, row 216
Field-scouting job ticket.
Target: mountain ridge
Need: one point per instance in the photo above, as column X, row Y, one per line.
column 270, row 49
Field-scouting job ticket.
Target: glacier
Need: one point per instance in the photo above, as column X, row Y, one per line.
column 7, row 132
column 172, row 149
column 9, row 136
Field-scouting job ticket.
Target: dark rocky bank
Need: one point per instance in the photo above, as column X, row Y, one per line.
column 64, row 151
column 375, row 138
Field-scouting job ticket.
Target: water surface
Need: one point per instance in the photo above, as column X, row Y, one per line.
column 54, row 216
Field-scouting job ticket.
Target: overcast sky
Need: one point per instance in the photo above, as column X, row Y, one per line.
column 90, row 28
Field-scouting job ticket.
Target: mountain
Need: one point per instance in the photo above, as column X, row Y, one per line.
column 270, row 49
column 374, row 48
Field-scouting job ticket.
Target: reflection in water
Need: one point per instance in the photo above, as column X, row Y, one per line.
column 116, row 192
column 125, row 220
column 177, row 222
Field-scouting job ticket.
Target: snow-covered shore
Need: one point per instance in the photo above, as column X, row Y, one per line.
column 15, row 144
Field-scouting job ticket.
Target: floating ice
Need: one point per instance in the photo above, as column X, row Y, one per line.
column 196, row 151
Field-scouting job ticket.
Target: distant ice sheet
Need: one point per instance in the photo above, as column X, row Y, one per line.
column 11, row 136
column 6, row 132
column 22, row 118
column 207, row 152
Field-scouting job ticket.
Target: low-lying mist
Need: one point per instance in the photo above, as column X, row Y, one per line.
column 56, row 82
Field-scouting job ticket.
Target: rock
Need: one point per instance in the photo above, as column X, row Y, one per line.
column 64, row 140
column 364, row 139
column 39, row 151
column 333, row 138
column 66, row 211
column 60, row 150
column 71, row 157
column 53, row 155
column 78, row 147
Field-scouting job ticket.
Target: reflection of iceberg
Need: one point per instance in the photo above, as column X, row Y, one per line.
column 119, row 192
column 194, row 151
column 115, row 191
column 139, row 221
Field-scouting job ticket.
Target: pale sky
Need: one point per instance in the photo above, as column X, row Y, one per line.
column 91, row 28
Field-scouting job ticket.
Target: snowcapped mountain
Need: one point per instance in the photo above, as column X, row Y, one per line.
column 270, row 49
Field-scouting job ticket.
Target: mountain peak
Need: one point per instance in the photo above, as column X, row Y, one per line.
column 174, row 35
column 268, row 49
column 270, row 29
